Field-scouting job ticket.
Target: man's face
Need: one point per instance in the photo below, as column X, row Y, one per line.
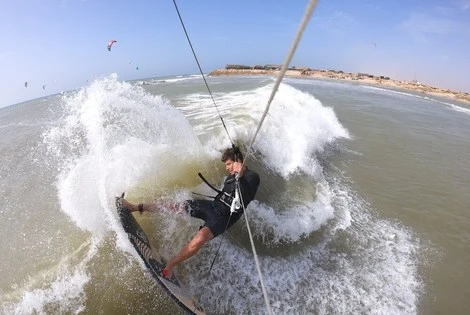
column 229, row 166
column 233, row 167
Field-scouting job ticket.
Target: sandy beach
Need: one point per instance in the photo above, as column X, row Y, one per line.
column 361, row 78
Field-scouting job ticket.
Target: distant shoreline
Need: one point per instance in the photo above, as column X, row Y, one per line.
column 361, row 78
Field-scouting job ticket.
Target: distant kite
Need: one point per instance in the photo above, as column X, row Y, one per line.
column 110, row 44
column 44, row 87
column 137, row 68
column 26, row 84
column 375, row 45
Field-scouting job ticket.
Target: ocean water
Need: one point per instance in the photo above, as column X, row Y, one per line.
column 363, row 206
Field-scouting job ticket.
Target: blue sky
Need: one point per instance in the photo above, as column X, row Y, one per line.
column 62, row 43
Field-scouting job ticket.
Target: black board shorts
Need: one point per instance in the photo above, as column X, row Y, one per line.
column 215, row 219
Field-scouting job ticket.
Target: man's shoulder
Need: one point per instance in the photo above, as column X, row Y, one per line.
column 251, row 175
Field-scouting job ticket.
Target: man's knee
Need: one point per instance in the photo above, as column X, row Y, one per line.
column 202, row 236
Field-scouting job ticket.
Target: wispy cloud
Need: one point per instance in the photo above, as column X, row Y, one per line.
column 423, row 25
column 65, row 3
column 445, row 58
column 465, row 5
column 336, row 21
column 4, row 54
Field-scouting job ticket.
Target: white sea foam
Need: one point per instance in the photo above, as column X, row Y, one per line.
column 112, row 136
column 366, row 266
column 448, row 104
column 460, row 109
column 65, row 294
column 297, row 127
column 58, row 290
column 333, row 257
column 178, row 78
column 294, row 223
column 321, row 277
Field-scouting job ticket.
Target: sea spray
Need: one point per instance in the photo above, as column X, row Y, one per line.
column 322, row 247
column 294, row 192
column 112, row 135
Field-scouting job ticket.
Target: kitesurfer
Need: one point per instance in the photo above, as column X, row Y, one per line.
column 216, row 213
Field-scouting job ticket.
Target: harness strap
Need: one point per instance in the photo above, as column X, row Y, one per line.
column 222, row 196
column 209, row 184
column 202, row 195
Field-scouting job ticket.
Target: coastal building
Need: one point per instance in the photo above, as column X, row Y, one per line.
column 272, row 67
column 242, row 67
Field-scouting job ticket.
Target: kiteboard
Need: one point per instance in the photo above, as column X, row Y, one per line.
column 155, row 264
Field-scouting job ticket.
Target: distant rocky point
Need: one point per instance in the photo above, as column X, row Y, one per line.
column 363, row 78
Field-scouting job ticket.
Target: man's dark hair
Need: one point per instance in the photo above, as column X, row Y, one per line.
column 233, row 154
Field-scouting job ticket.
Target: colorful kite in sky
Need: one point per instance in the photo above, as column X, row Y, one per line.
column 110, row 44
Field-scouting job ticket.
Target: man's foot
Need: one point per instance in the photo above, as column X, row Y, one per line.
column 129, row 206
column 167, row 272
column 126, row 204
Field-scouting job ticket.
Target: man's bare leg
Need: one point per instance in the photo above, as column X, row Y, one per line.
column 152, row 207
column 203, row 236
